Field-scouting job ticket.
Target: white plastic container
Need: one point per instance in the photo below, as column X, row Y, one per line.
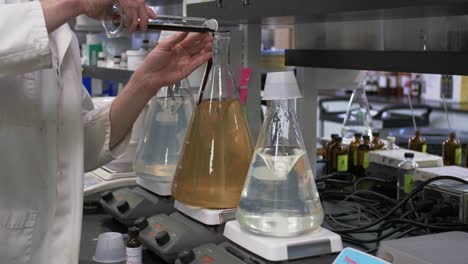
column 135, row 58
column 110, row 248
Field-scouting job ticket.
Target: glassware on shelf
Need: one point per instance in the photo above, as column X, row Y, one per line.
column 218, row 148
column 417, row 142
column 452, row 151
column 114, row 25
column 377, row 142
column 166, row 125
column 280, row 198
column 358, row 118
column 353, row 152
column 328, row 148
column 363, row 155
column 339, row 154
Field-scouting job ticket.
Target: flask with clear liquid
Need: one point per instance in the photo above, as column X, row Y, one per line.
column 165, row 127
column 280, row 198
column 358, row 118
column 218, row 148
column 114, row 23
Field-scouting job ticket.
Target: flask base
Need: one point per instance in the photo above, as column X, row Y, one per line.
column 207, row 216
column 320, row 242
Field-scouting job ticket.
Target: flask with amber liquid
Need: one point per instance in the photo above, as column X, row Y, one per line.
column 363, row 155
column 377, row 142
column 417, row 143
column 339, row 153
column 452, row 151
column 353, row 152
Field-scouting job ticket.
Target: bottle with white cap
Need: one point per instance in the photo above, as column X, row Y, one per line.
column 280, row 198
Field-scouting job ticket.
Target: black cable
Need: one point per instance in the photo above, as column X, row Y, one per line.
column 417, row 189
column 449, row 227
column 368, row 179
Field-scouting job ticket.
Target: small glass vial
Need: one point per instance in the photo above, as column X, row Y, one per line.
column 124, row 60
column 134, row 254
column 339, row 154
column 417, row 143
column 406, row 170
column 377, row 142
column 101, row 59
column 391, row 144
column 146, row 45
column 328, row 148
column 116, row 62
column 452, row 151
column 353, row 151
column 363, row 155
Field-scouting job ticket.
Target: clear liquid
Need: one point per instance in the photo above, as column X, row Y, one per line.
column 163, row 140
column 280, row 207
column 349, row 131
column 215, row 158
column 280, row 160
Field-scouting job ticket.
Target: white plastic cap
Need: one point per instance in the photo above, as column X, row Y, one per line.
column 211, row 24
column 281, row 85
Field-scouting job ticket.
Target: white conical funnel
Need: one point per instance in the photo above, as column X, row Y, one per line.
column 281, row 85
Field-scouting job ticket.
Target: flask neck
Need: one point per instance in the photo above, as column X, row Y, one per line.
column 221, row 47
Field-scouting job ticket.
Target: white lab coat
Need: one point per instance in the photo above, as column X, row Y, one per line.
column 49, row 133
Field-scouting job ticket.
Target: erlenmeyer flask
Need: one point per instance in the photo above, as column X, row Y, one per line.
column 218, row 148
column 165, row 128
column 358, row 118
column 280, row 197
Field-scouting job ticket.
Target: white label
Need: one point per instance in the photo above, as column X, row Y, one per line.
column 392, row 82
column 134, row 255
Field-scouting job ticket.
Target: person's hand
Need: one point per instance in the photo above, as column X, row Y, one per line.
column 174, row 59
column 136, row 12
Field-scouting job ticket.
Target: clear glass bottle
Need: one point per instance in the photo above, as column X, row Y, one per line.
column 358, row 118
column 406, row 170
column 391, row 144
column 114, row 24
column 417, row 143
column 218, row 148
column 353, row 151
column 377, row 142
column 452, row 151
column 280, row 198
column 166, row 125
column 339, row 154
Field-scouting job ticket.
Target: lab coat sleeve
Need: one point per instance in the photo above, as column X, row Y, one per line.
column 97, row 136
column 25, row 43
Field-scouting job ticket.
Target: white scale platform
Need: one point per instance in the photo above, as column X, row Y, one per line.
column 319, row 242
column 107, row 178
column 206, row 216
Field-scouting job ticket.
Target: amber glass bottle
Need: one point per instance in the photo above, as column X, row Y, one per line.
column 339, row 153
column 133, row 247
column 417, row 143
column 377, row 142
column 452, row 151
column 328, row 148
column 353, row 152
column 363, row 155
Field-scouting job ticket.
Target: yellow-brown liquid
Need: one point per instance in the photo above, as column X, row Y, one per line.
column 215, row 157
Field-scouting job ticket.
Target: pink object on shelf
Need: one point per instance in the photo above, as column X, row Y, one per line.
column 244, row 84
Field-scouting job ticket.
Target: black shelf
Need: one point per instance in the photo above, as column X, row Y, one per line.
column 261, row 11
column 110, row 74
column 401, row 61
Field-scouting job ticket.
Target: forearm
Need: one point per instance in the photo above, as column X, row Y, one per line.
column 59, row 12
column 127, row 107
